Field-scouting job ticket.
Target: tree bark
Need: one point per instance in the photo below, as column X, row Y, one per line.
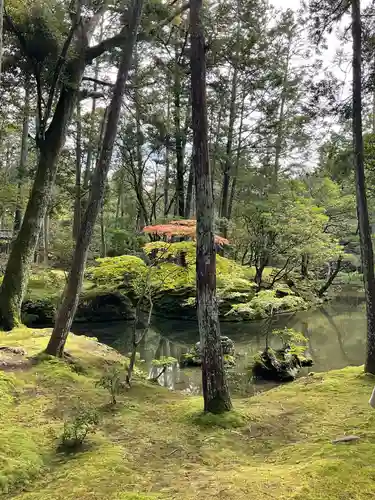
column 179, row 140
column 78, row 190
column 367, row 254
column 238, row 159
column 167, row 163
column 189, row 192
column 1, row 33
column 45, row 238
column 73, row 287
column 50, row 142
column 331, row 277
column 215, row 388
column 281, row 117
column 228, row 154
column 21, row 257
column 103, row 244
column 23, row 158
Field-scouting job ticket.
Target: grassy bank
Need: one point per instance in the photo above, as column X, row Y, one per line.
column 157, row 445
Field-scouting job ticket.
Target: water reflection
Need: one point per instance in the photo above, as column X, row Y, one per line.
column 335, row 333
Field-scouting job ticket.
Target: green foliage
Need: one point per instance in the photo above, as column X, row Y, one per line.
column 266, row 303
column 115, row 271
column 166, row 274
column 164, row 361
column 113, row 380
column 122, row 241
column 288, row 336
column 83, row 422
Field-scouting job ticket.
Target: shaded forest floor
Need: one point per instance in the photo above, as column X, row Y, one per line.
column 158, row 445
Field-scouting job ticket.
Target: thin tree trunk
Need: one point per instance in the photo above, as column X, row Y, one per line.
column 281, row 118
column 331, row 278
column 103, row 245
column 215, row 388
column 73, row 287
column 78, row 190
column 228, row 154
column 91, row 147
column 1, row 33
column 167, row 164
column 367, row 254
column 180, row 196
column 23, row 249
column 305, row 266
column 23, row 158
column 45, row 238
column 189, row 192
column 238, row 159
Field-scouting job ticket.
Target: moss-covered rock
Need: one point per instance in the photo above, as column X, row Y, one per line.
column 281, row 365
column 266, row 302
column 94, row 306
column 172, row 278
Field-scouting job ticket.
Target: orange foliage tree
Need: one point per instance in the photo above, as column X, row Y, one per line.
column 177, row 228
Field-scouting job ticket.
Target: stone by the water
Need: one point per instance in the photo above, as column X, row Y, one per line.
column 278, row 366
column 193, row 357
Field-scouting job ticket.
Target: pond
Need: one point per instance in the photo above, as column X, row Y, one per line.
column 335, row 333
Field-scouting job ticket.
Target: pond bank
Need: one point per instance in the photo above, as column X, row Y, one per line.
column 157, row 444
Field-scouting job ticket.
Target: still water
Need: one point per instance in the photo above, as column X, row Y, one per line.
column 335, row 333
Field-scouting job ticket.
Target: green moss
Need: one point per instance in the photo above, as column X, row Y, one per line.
column 158, row 444
column 266, row 301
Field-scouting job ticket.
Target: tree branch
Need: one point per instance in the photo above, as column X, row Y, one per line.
column 58, row 68
column 110, row 43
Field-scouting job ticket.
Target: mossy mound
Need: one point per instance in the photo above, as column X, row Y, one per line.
column 172, row 278
column 265, row 302
column 158, row 444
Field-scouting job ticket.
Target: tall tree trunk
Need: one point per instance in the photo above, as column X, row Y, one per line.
column 179, row 139
column 367, row 254
column 73, row 287
column 23, row 158
column 228, row 153
column 215, row 388
column 331, row 278
column 1, row 33
column 238, row 159
column 21, row 257
column 91, row 147
column 281, row 117
column 167, row 163
column 45, row 238
column 78, row 190
column 189, row 192
column 103, row 244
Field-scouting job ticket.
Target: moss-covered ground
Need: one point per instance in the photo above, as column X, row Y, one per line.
column 157, row 445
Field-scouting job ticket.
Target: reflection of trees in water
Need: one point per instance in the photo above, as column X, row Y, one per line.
column 337, row 330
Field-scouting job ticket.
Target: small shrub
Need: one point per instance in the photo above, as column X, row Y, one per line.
column 164, row 362
column 83, row 422
column 113, row 381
